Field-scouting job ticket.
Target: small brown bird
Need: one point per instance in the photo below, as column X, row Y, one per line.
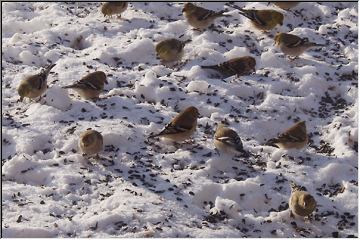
column 293, row 45
column 227, row 140
column 181, row 127
column 90, row 86
column 264, row 20
column 170, row 50
column 91, row 142
column 113, row 8
column 294, row 137
column 200, row 18
column 237, row 66
column 35, row 85
column 285, row 5
column 301, row 203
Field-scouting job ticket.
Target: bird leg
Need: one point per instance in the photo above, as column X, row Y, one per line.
column 198, row 30
column 292, row 214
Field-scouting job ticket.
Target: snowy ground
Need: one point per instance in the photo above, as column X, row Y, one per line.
column 148, row 188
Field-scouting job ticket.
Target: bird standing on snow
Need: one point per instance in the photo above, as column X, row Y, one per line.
column 294, row 137
column 293, row 45
column 181, row 127
column 35, row 85
column 227, row 140
column 200, row 18
column 113, row 8
column 170, row 50
column 90, row 86
column 91, row 142
column 285, row 5
column 237, row 66
column 264, row 20
column 301, row 203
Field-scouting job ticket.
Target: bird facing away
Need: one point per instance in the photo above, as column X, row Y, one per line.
column 285, row 5
column 301, row 203
column 91, row 142
column 90, row 86
column 227, row 140
column 113, row 8
column 237, row 66
column 200, row 18
column 170, row 50
column 293, row 137
column 293, row 45
column 34, row 86
column 181, row 127
column 264, row 20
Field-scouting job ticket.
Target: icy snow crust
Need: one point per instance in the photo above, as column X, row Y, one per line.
column 151, row 188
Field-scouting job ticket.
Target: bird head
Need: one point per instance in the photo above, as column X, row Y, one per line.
column 193, row 111
column 87, row 140
column 278, row 38
column 278, row 18
column 23, row 90
column 301, row 127
column 188, row 7
column 101, row 75
column 104, row 9
column 251, row 64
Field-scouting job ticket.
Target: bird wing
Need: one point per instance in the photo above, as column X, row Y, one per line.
column 295, row 41
column 203, row 14
column 173, row 129
column 233, row 66
column 37, row 80
column 288, row 137
column 254, row 15
column 82, row 84
column 229, row 141
column 230, row 138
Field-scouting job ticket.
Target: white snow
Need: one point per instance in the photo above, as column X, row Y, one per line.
column 150, row 188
